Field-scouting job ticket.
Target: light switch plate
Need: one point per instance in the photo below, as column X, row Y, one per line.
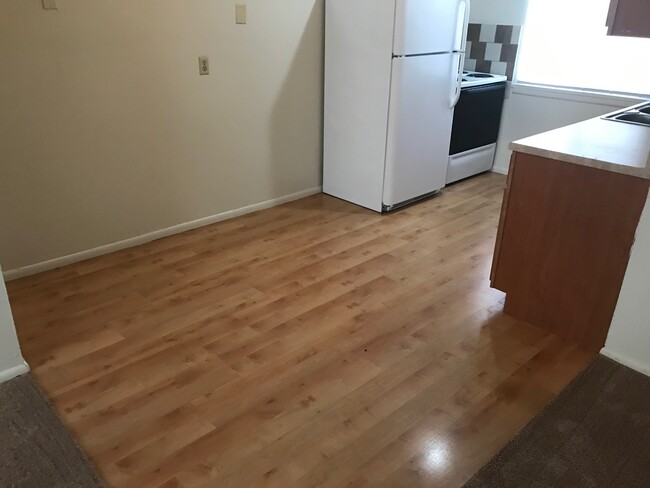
column 204, row 65
column 50, row 5
column 240, row 13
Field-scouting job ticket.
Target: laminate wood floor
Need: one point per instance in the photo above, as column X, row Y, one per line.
column 311, row 344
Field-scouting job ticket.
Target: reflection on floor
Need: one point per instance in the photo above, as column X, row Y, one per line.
column 312, row 344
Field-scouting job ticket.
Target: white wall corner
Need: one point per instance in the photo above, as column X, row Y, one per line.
column 11, row 373
column 12, row 363
column 628, row 340
column 626, row 361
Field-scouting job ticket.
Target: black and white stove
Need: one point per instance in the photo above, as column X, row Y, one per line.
column 474, row 78
column 477, row 117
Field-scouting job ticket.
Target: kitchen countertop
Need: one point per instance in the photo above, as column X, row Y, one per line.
column 603, row 144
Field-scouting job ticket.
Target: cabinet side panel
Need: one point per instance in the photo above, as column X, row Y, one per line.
column 494, row 273
column 566, row 242
column 358, row 59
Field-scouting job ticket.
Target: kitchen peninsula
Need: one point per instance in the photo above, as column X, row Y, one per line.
column 571, row 208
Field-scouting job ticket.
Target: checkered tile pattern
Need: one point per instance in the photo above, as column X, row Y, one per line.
column 492, row 48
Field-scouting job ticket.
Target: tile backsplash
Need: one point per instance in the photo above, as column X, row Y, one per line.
column 492, row 48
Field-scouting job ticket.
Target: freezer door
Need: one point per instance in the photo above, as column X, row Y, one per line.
column 429, row 26
column 419, row 126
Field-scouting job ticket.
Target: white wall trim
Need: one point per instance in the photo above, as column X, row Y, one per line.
column 502, row 170
column 575, row 95
column 32, row 269
column 11, row 373
column 625, row 361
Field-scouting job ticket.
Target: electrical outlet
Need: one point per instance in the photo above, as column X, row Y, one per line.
column 240, row 13
column 50, row 5
column 204, row 65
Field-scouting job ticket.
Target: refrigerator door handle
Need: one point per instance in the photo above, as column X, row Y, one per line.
column 456, row 87
column 466, row 5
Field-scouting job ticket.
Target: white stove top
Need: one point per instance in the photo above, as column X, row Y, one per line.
column 474, row 78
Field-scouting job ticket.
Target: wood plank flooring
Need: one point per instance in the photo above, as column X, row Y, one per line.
column 311, row 344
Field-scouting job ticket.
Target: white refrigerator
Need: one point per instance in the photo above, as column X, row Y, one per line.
column 393, row 70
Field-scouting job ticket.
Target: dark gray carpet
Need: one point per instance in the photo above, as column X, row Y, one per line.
column 36, row 450
column 595, row 434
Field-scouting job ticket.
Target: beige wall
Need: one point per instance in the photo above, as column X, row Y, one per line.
column 108, row 132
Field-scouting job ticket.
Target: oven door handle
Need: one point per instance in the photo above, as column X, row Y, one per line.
column 459, row 81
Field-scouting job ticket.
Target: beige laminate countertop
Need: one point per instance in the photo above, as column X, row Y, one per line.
column 597, row 143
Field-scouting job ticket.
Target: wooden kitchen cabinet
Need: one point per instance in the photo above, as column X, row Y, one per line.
column 563, row 245
column 630, row 18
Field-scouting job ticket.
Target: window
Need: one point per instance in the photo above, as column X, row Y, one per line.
column 565, row 44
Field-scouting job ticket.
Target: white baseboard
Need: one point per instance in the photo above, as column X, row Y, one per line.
column 32, row 269
column 502, row 170
column 11, row 373
column 625, row 361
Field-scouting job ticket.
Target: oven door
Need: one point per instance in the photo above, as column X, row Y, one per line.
column 477, row 117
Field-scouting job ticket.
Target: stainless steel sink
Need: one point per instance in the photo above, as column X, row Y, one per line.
column 639, row 115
